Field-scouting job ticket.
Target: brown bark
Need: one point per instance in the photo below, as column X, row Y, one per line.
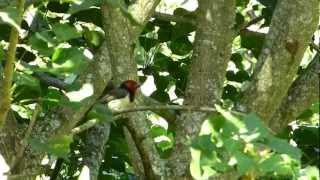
column 291, row 29
column 121, row 35
column 303, row 92
column 212, row 50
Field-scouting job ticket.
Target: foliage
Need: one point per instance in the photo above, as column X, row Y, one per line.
column 242, row 142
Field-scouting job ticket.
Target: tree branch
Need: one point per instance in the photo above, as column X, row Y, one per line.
column 118, row 30
column 141, row 11
column 289, row 35
column 174, row 18
column 91, row 123
column 94, row 142
column 166, row 107
column 9, row 68
column 211, row 54
column 302, row 94
column 51, row 81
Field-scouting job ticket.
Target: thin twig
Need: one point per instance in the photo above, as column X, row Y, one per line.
column 24, row 143
column 170, row 107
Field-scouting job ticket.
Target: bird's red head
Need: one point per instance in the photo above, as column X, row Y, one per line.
column 131, row 86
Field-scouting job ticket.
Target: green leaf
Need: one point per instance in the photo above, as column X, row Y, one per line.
column 43, row 43
column 161, row 62
column 245, row 163
column 100, row 112
column 165, row 32
column 242, row 3
column 182, row 30
column 277, row 165
column 306, row 114
column 203, row 143
column 83, row 5
column 65, row 32
column 68, row 60
column 255, row 126
column 233, row 123
column 233, row 146
column 165, row 145
column 315, row 107
column 93, row 37
column 307, row 136
column 58, row 146
column 2, row 54
column 283, row 147
column 310, row 173
column 217, row 122
column 10, row 16
column 75, row 106
column 237, row 60
column 229, row 91
column 252, row 41
column 22, row 79
column 51, row 99
column 148, row 43
column 181, row 46
column 23, row 111
column 239, row 20
column 158, row 131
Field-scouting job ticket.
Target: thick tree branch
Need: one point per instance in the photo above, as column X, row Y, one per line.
column 292, row 26
column 141, row 11
column 211, row 53
column 9, row 68
column 95, row 140
column 121, row 35
column 302, row 94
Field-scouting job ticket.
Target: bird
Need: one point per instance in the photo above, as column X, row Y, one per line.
column 119, row 97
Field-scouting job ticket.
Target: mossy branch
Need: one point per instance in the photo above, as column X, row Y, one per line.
column 9, row 67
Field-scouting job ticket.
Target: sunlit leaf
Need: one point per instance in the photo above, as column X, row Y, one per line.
column 245, row 163
column 68, row 60
column 10, row 16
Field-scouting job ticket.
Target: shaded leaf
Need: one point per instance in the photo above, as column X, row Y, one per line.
column 65, row 32
column 245, row 163
column 58, row 146
column 100, row 112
